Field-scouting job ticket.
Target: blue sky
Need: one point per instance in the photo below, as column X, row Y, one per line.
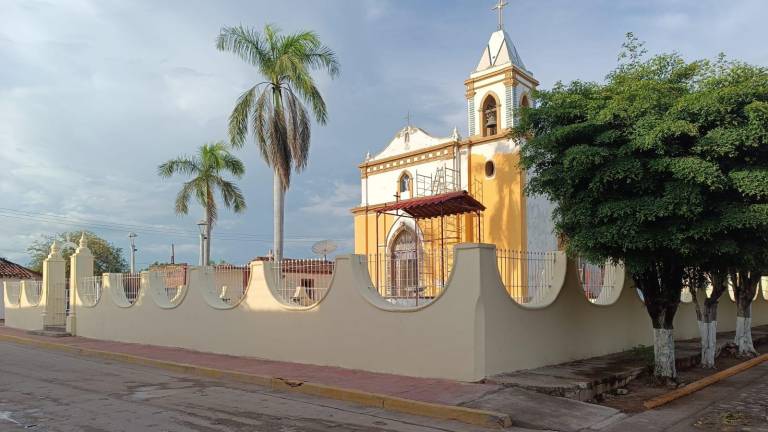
column 95, row 94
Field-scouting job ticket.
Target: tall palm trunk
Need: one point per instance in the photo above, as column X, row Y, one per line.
column 278, row 194
column 278, row 189
column 208, row 225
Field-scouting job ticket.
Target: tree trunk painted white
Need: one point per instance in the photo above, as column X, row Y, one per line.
column 708, row 333
column 664, row 353
column 743, row 338
column 745, row 286
column 278, row 197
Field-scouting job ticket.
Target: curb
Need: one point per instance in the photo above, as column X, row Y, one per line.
column 489, row 419
column 704, row 382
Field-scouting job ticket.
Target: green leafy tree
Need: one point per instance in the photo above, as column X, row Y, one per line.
column 630, row 182
column 274, row 110
column 107, row 257
column 207, row 169
column 729, row 113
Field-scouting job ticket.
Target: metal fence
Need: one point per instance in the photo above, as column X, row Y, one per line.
column 302, row 282
column 526, row 275
column 598, row 281
column 34, row 290
column 131, row 283
column 411, row 278
column 231, row 282
column 13, row 290
column 90, row 289
column 175, row 280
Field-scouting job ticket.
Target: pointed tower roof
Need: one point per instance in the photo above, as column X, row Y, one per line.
column 500, row 51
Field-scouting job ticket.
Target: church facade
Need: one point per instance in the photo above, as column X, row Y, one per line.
column 423, row 194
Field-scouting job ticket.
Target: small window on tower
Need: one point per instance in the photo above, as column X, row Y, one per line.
column 490, row 169
column 405, row 183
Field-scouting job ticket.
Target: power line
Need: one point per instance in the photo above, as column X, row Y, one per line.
column 146, row 229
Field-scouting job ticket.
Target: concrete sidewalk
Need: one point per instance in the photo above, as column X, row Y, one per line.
column 585, row 379
column 490, row 405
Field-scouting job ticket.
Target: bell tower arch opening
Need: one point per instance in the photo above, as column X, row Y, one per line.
column 490, row 115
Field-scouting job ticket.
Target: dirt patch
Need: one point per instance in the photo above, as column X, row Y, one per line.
column 643, row 388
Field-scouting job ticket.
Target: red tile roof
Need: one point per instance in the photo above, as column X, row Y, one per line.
column 446, row 204
column 14, row 271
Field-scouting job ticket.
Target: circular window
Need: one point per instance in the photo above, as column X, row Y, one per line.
column 490, row 169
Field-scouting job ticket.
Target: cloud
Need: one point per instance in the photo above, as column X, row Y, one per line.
column 376, row 9
column 94, row 95
column 673, row 20
column 334, row 203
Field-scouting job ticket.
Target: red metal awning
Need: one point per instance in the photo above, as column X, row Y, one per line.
column 446, row 204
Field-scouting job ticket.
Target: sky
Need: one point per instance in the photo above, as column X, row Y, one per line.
column 94, row 95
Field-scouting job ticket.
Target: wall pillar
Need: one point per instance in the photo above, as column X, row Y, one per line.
column 80, row 266
column 54, row 276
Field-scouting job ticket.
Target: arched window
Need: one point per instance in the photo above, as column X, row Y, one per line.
column 524, row 102
column 490, row 116
column 404, row 268
column 404, row 183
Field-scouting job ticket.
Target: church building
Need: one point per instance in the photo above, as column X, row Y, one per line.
column 423, row 194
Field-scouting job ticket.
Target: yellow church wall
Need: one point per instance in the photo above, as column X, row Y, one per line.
column 366, row 241
column 437, row 256
column 504, row 219
column 503, row 222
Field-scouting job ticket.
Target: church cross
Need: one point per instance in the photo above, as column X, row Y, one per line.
column 500, row 7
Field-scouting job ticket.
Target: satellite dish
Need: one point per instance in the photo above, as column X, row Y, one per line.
column 324, row 248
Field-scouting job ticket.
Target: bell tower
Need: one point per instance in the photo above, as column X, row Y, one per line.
column 498, row 87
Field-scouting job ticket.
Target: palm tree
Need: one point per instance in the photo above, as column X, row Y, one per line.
column 274, row 109
column 206, row 169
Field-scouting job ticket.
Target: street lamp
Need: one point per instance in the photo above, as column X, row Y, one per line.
column 133, row 236
column 203, row 225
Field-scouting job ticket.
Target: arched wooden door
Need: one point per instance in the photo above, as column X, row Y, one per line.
column 404, row 268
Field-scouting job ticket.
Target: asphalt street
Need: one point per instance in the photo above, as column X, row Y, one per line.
column 44, row 390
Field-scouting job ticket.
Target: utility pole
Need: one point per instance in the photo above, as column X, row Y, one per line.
column 133, row 236
column 203, row 224
column 173, row 254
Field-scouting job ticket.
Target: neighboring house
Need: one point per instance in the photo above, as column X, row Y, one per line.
column 12, row 272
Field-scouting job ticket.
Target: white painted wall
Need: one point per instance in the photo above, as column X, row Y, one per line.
column 474, row 329
column 381, row 187
column 540, row 229
column 25, row 315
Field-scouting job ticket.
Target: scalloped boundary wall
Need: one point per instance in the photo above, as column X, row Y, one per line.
column 473, row 330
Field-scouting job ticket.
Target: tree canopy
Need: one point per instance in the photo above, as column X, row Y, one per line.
column 274, row 110
column 107, row 257
column 207, row 169
column 664, row 161
column 662, row 167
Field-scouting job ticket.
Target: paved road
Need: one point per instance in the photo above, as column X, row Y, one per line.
column 739, row 403
column 50, row 391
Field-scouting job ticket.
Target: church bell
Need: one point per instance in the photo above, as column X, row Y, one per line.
column 490, row 118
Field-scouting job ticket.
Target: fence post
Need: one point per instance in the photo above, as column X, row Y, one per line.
column 80, row 266
column 53, row 285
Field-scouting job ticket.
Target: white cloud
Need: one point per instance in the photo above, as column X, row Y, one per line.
column 94, row 95
column 673, row 20
column 335, row 202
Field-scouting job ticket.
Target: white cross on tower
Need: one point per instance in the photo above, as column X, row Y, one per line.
column 500, row 7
